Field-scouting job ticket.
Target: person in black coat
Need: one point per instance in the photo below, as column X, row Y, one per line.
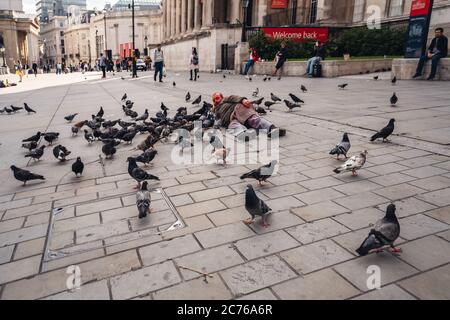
column 281, row 58
column 319, row 55
column 438, row 49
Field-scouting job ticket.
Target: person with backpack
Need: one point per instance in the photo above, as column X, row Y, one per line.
column 319, row 55
column 193, row 62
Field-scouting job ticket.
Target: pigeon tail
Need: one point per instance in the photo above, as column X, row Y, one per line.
column 370, row 243
column 375, row 137
column 337, row 170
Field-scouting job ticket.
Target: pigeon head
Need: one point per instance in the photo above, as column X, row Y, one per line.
column 249, row 187
column 14, row 168
column 345, row 138
column 131, row 160
column 78, row 159
column 391, row 121
column 273, row 163
column 390, row 212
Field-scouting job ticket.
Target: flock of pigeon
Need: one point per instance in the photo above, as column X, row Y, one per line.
column 112, row 133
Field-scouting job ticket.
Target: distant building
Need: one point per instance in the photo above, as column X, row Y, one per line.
column 52, row 41
column 47, row 9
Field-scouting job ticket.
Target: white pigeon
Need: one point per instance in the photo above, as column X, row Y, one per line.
column 353, row 164
column 222, row 154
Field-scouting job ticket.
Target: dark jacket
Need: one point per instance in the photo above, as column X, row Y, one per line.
column 320, row 52
column 224, row 110
column 442, row 46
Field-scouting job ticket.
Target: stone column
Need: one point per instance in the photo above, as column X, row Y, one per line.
column 207, row 13
column 177, row 16
column 197, row 15
column 173, row 28
column 190, row 15
column 183, row 15
column 30, row 49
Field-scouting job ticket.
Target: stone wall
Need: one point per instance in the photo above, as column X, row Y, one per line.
column 404, row 69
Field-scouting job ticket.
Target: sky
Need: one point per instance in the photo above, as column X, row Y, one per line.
column 29, row 6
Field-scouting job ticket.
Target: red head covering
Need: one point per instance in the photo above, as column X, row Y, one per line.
column 217, row 98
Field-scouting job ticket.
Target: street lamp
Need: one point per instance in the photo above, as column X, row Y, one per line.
column 104, row 19
column 2, row 50
column 146, row 48
column 245, row 4
column 131, row 6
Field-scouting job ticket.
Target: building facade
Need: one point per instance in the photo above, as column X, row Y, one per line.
column 47, row 9
column 52, row 41
column 19, row 35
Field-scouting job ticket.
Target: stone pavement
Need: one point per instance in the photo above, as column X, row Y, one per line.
column 320, row 218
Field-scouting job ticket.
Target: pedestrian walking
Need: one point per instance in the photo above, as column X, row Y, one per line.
column 194, row 64
column 280, row 59
column 102, row 64
column 59, row 68
column 35, row 69
column 159, row 63
column 19, row 70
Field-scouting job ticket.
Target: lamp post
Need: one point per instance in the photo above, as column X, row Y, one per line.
column 131, row 6
column 104, row 20
column 2, row 50
column 145, row 44
column 245, row 4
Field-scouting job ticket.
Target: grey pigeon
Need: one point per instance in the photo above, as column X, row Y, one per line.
column 394, row 80
column 124, row 97
column 188, row 97
column 342, row 148
column 78, row 167
column 256, row 207
column 143, row 200
column 36, row 154
column 259, row 101
column 384, row 233
column 261, row 174
column 29, row 145
column 60, row 152
column 394, row 99
column 385, row 132
column 343, row 86
column 50, row 137
column 34, row 138
column 303, row 88
column 25, row 175
column 70, row 117
column 291, row 105
column 268, row 104
column 137, row 173
column 295, row 98
column 197, row 101
column 28, row 109
column 274, row 97
column 109, row 150
column 89, row 136
column 147, row 156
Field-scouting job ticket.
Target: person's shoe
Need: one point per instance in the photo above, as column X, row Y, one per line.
column 430, row 78
column 416, row 76
column 160, row 81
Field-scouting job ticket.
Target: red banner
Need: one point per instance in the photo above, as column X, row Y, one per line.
column 420, row 8
column 298, row 34
column 279, row 4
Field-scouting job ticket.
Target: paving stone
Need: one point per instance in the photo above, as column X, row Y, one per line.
column 199, row 208
column 132, row 240
column 76, row 223
column 319, row 210
column 441, row 214
column 359, row 201
column 399, row 191
column 360, row 218
column 316, row 286
column 25, row 211
column 363, row 175
column 426, row 253
column 419, row 225
column 40, row 218
column 283, row 179
column 32, row 193
column 6, row 198
column 29, row 248
column 316, row 196
column 386, row 158
column 75, row 185
column 282, row 191
column 425, row 172
column 277, row 221
column 196, row 289
column 392, row 269
column 102, row 231
column 285, row 203
column 185, row 188
column 238, row 200
column 390, row 292
column 292, row 168
column 319, row 183
column 261, row 295
column 392, row 179
column 407, row 207
column 231, row 171
column 419, row 162
column 96, row 251
column 165, row 250
column 445, row 235
column 97, row 188
column 209, row 261
column 196, row 177
column 223, row 234
column 15, row 204
column 413, row 153
column 92, row 291
column 98, row 206
column 319, row 172
column 444, row 165
column 256, row 274
column 432, row 183
column 440, row 197
column 318, row 255
column 357, row 187
column 6, row 254
column 9, row 225
column 385, row 169
column 193, row 224
column 263, row 245
column 19, row 269
column 223, row 181
column 21, row 235
column 62, row 240
column 431, row 285
column 315, row 231
column 75, row 200
column 209, row 194
column 181, row 200
column 153, row 220
column 220, row 218
column 54, row 196
column 144, row 280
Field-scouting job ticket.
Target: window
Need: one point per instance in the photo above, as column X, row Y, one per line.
column 359, row 9
column 396, row 8
column 83, row 36
column 61, row 33
column 313, row 12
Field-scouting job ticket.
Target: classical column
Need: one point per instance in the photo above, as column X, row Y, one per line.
column 30, row 49
column 197, row 15
column 173, row 28
column 207, row 14
column 183, row 15
column 178, row 16
column 190, row 14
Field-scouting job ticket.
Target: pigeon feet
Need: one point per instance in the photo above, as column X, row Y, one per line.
column 396, row 250
column 354, row 173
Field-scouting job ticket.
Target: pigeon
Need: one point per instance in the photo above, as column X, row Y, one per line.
column 34, row 138
column 51, row 136
column 269, row 78
column 303, row 88
column 265, row 79
column 184, row 143
column 342, row 148
column 28, row 109
column 268, row 104
column 259, row 101
column 137, row 173
column 15, row 109
column 394, row 80
column 291, row 105
column 385, row 132
column 274, row 97
column 144, row 116
column 260, row 110
column 343, row 86
column 8, row 110
column 29, row 145
column 197, row 101
column 89, row 136
column 129, row 137
column 375, row 78
column 188, row 97
column 25, row 175
column 148, row 143
column 147, row 156
column 174, row 84
column 394, row 99
column 109, row 150
column 215, row 142
column 353, row 164
column 100, row 113
column 70, row 117
column 60, row 152
column 143, row 200
column 221, row 154
column 124, row 97
column 2, row 110
column 261, row 174
column 295, row 98
column 384, row 233
column 256, row 207
column 164, row 108
column 256, row 92
column 224, row 76
column 78, row 167
column 36, row 154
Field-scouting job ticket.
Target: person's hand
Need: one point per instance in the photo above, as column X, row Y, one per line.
column 430, row 55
